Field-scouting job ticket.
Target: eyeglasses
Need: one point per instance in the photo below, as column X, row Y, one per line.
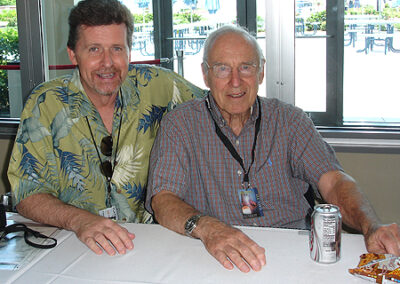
column 223, row 71
column 106, row 146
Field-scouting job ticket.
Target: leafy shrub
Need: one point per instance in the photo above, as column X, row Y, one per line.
column 9, row 16
column 186, row 17
column 7, row 2
column 9, row 51
column 320, row 18
column 138, row 18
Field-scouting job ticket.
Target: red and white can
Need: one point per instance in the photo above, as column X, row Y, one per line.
column 325, row 235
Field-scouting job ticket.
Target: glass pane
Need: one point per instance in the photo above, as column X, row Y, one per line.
column 310, row 55
column 143, row 44
column 371, row 58
column 194, row 20
column 10, row 78
column 262, row 91
column 55, row 27
column 55, row 15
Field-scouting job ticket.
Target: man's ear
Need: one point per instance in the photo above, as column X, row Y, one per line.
column 72, row 56
column 205, row 74
column 261, row 74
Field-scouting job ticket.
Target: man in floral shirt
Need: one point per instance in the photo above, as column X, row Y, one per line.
column 82, row 149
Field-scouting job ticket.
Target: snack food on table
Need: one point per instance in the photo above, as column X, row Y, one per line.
column 379, row 268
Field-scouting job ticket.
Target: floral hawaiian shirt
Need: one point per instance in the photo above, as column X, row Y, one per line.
column 55, row 153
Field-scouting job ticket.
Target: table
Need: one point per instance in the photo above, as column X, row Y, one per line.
column 163, row 256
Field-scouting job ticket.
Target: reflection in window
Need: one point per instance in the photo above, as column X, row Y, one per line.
column 371, row 59
column 193, row 20
column 10, row 80
column 310, row 55
column 262, row 90
column 143, row 35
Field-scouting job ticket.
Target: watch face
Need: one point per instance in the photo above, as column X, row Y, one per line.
column 191, row 224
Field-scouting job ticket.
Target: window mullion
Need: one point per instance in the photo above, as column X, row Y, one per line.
column 247, row 14
column 162, row 20
column 30, row 45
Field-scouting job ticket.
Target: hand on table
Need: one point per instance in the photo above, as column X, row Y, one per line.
column 100, row 233
column 384, row 239
column 230, row 245
column 95, row 231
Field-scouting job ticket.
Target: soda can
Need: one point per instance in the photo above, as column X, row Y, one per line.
column 325, row 235
column 6, row 200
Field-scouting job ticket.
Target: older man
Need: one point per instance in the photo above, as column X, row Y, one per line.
column 81, row 154
column 234, row 158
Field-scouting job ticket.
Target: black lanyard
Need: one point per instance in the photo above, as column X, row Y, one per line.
column 108, row 201
column 28, row 234
column 232, row 149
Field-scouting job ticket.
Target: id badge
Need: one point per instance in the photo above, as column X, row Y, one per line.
column 250, row 203
column 110, row 213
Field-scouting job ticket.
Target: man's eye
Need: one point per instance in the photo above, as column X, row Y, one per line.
column 93, row 49
column 118, row 49
column 223, row 68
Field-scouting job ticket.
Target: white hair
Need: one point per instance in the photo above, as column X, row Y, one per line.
column 212, row 38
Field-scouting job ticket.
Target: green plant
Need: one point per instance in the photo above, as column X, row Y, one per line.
column 9, row 16
column 9, row 51
column 319, row 19
column 138, row 18
column 369, row 10
column 260, row 23
column 7, row 2
column 186, row 17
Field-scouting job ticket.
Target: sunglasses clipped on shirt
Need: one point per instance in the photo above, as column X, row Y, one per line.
column 106, row 146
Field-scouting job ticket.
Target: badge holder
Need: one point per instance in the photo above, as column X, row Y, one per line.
column 250, row 202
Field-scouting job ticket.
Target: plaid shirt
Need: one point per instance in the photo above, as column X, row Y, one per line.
column 190, row 160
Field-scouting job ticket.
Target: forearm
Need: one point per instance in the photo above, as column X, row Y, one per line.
column 356, row 210
column 171, row 212
column 47, row 209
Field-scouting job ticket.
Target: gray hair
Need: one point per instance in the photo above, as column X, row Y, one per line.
column 212, row 38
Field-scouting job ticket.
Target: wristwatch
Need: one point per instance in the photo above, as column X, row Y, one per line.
column 191, row 224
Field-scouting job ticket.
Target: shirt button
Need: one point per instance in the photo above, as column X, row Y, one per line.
column 237, row 142
column 239, row 172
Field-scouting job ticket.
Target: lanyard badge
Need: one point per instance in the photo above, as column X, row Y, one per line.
column 250, row 203
column 110, row 213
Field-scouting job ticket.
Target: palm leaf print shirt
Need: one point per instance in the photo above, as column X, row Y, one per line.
column 54, row 152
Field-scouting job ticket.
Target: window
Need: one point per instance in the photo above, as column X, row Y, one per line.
column 193, row 20
column 10, row 80
column 336, row 60
column 143, row 35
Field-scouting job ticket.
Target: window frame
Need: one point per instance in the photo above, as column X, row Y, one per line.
column 32, row 69
column 280, row 77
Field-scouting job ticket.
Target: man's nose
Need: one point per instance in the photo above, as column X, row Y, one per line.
column 107, row 58
column 235, row 77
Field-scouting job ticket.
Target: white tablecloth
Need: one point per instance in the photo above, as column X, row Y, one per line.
column 162, row 256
